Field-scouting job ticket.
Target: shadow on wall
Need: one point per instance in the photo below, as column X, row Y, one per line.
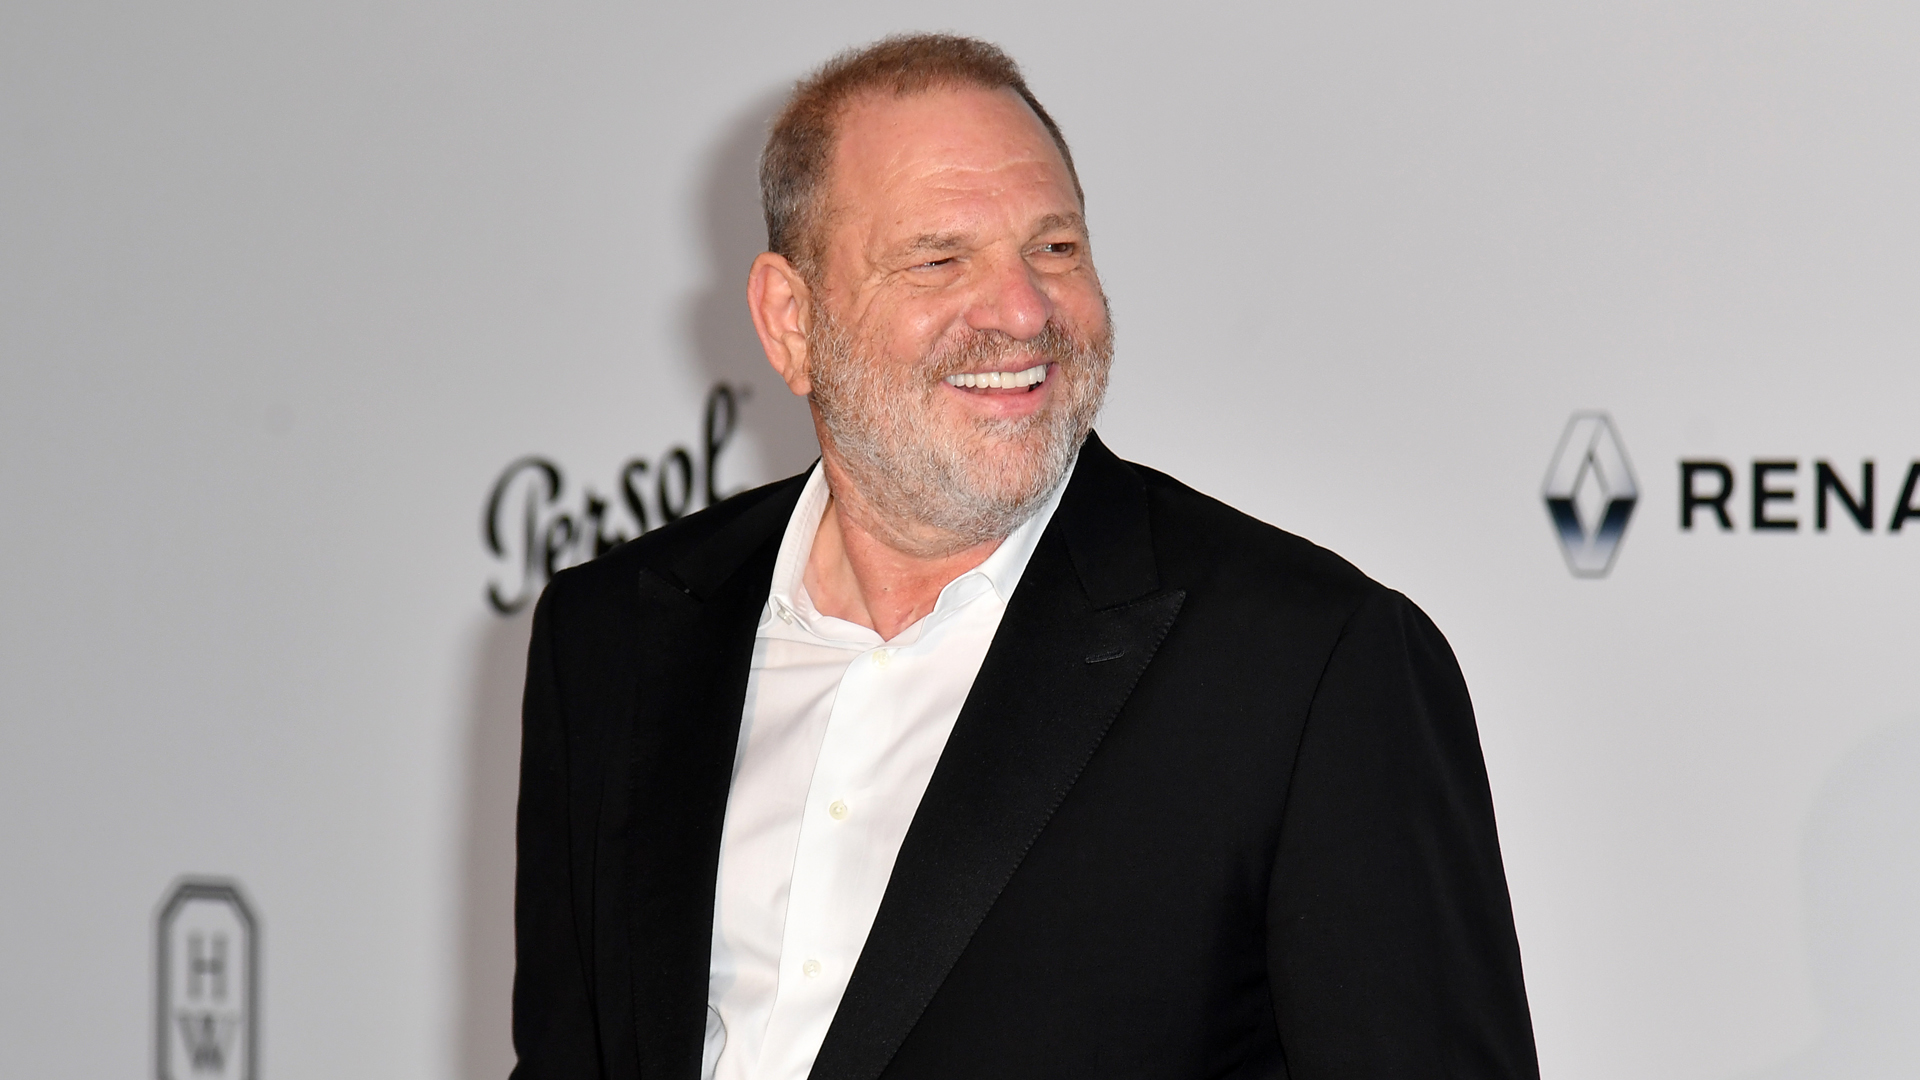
column 1862, row 866
column 485, row 1047
column 775, row 422
column 775, row 425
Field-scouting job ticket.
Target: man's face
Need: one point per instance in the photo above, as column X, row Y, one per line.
column 953, row 253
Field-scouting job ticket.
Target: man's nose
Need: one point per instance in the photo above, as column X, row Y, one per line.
column 1011, row 301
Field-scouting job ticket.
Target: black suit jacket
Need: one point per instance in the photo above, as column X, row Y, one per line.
column 1215, row 807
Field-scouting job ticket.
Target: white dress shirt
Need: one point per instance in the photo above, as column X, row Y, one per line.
column 839, row 737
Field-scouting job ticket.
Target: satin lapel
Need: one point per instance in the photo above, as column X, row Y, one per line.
column 1058, row 672
column 693, row 668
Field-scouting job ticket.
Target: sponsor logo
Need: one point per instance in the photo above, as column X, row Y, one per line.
column 533, row 528
column 1774, row 485
column 1590, row 493
column 206, row 1014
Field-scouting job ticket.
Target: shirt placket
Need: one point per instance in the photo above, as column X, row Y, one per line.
column 816, row 957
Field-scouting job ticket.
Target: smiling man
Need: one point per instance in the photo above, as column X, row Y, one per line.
column 975, row 751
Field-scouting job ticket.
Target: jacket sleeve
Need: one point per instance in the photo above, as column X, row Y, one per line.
column 1391, row 947
column 554, row 1034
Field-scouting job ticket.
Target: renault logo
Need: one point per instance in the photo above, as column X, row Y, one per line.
column 1590, row 492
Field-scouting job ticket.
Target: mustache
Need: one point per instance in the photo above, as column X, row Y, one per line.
column 980, row 350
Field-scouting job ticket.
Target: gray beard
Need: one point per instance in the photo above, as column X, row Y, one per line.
column 969, row 485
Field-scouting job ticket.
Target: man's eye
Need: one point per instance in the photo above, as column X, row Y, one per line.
column 933, row 263
column 1064, row 247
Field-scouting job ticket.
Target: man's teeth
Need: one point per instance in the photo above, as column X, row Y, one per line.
column 1034, row 374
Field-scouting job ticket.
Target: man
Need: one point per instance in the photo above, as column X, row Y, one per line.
column 975, row 751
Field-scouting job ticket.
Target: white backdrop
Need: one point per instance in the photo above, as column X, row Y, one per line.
column 284, row 288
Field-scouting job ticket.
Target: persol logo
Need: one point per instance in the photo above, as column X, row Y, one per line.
column 1590, row 494
column 534, row 528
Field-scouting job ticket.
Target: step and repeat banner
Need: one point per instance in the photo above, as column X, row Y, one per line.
column 329, row 332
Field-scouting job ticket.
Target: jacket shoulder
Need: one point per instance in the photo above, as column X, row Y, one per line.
column 670, row 549
column 1202, row 542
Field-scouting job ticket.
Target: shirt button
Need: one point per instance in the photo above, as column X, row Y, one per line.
column 811, row 969
column 839, row 810
column 786, row 616
column 881, row 657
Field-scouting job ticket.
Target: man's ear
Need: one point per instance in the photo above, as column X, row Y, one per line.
column 781, row 303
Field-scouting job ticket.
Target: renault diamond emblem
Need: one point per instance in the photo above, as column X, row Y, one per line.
column 1590, row 493
column 206, row 1014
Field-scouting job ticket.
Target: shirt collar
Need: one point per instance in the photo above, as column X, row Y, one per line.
column 1000, row 573
column 1008, row 563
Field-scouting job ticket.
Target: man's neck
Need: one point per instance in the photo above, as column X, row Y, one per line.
column 853, row 573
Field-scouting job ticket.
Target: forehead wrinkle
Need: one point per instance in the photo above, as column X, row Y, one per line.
column 952, row 178
column 965, row 177
column 956, row 239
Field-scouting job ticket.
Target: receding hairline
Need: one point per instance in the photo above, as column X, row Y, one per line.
column 797, row 162
column 825, row 211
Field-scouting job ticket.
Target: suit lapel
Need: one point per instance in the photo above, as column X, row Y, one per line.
column 1081, row 629
column 693, row 665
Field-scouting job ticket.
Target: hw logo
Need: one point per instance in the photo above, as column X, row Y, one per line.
column 205, row 1016
column 1590, row 494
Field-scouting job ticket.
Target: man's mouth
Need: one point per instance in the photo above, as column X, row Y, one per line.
column 1011, row 380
